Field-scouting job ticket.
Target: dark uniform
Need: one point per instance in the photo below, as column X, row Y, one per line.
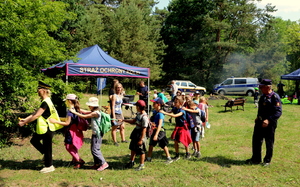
column 269, row 108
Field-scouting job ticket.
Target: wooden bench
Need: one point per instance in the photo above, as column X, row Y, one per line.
column 236, row 102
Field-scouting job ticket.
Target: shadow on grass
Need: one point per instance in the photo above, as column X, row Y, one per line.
column 117, row 163
column 222, row 161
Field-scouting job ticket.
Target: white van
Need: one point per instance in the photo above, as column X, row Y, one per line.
column 237, row 86
column 187, row 86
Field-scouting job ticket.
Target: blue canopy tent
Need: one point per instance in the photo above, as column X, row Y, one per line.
column 93, row 61
column 295, row 75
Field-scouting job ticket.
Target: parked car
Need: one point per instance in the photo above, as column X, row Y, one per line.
column 237, row 86
column 187, row 87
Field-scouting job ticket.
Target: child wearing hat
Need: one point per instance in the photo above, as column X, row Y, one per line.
column 138, row 135
column 73, row 136
column 159, row 133
column 96, row 141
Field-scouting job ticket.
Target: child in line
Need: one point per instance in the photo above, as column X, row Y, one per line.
column 73, row 136
column 96, row 141
column 138, row 135
column 181, row 132
column 159, row 134
column 204, row 107
column 195, row 112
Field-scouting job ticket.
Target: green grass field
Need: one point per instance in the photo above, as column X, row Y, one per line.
column 227, row 144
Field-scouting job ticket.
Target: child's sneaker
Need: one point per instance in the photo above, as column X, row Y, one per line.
column 141, row 167
column 148, row 159
column 169, row 161
column 103, row 167
column 187, row 156
column 177, row 157
column 129, row 165
column 195, row 152
column 47, row 169
column 198, row 154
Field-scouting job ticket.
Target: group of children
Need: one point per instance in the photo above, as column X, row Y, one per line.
column 184, row 132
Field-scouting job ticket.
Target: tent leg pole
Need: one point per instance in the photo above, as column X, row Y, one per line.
column 148, row 96
column 66, row 79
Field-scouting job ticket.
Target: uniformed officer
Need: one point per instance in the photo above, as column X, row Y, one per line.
column 269, row 111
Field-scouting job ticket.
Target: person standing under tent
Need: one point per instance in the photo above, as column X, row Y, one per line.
column 143, row 92
column 117, row 115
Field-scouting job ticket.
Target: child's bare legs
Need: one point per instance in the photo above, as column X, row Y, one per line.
column 187, row 149
column 130, row 164
column 196, row 145
column 166, row 150
column 176, row 146
column 142, row 158
column 150, row 151
column 132, row 155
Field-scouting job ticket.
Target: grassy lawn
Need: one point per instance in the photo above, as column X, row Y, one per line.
column 227, row 144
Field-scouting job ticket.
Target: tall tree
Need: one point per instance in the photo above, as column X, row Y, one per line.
column 134, row 35
column 207, row 33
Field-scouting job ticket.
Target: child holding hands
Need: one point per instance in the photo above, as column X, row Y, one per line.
column 138, row 135
column 96, row 141
column 195, row 112
column 181, row 132
column 159, row 134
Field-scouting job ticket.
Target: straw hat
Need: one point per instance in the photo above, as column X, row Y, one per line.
column 93, row 101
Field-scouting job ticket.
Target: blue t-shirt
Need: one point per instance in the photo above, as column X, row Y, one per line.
column 157, row 116
column 179, row 120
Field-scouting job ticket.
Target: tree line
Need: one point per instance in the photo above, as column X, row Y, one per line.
column 202, row 41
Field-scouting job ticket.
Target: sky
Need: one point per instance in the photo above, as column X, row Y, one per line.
column 287, row 9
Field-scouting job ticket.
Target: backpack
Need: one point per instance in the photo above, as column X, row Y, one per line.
column 203, row 118
column 82, row 124
column 149, row 129
column 105, row 122
column 190, row 120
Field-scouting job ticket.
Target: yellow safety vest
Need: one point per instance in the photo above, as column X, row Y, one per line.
column 42, row 123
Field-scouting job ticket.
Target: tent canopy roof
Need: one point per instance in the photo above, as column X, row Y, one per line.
column 295, row 75
column 93, row 61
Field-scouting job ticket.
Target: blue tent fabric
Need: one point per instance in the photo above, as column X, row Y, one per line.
column 93, row 61
column 295, row 75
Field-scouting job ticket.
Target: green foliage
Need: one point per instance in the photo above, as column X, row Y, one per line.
column 134, row 37
column 24, row 35
column 204, row 36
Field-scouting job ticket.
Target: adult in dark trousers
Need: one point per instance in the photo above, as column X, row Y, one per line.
column 44, row 129
column 143, row 93
column 269, row 111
